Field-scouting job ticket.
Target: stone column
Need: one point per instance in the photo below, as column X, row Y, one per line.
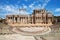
column 7, row 20
column 45, row 18
column 41, row 19
column 25, row 19
column 32, row 20
column 14, row 20
column 18, row 19
column 21, row 20
column 11, row 20
column 52, row 19
column 28, row 19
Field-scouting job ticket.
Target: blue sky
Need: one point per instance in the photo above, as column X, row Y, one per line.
column 12, row 6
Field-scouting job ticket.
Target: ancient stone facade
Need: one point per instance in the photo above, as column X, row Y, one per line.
column 40, row 16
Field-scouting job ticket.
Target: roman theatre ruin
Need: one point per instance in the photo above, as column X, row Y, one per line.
column 36, row 23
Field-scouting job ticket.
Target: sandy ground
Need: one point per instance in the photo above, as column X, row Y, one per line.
column 16, row 37
column 21, row 37
column 54, row 35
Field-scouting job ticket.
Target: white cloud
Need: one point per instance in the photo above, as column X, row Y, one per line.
column 24, row 6
column 9, row 9
column 31, row 5
column 43, row 0
column 57, row 10
column 47, row 1
column 39, row 6
column 45, row 4
column 23, row 12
